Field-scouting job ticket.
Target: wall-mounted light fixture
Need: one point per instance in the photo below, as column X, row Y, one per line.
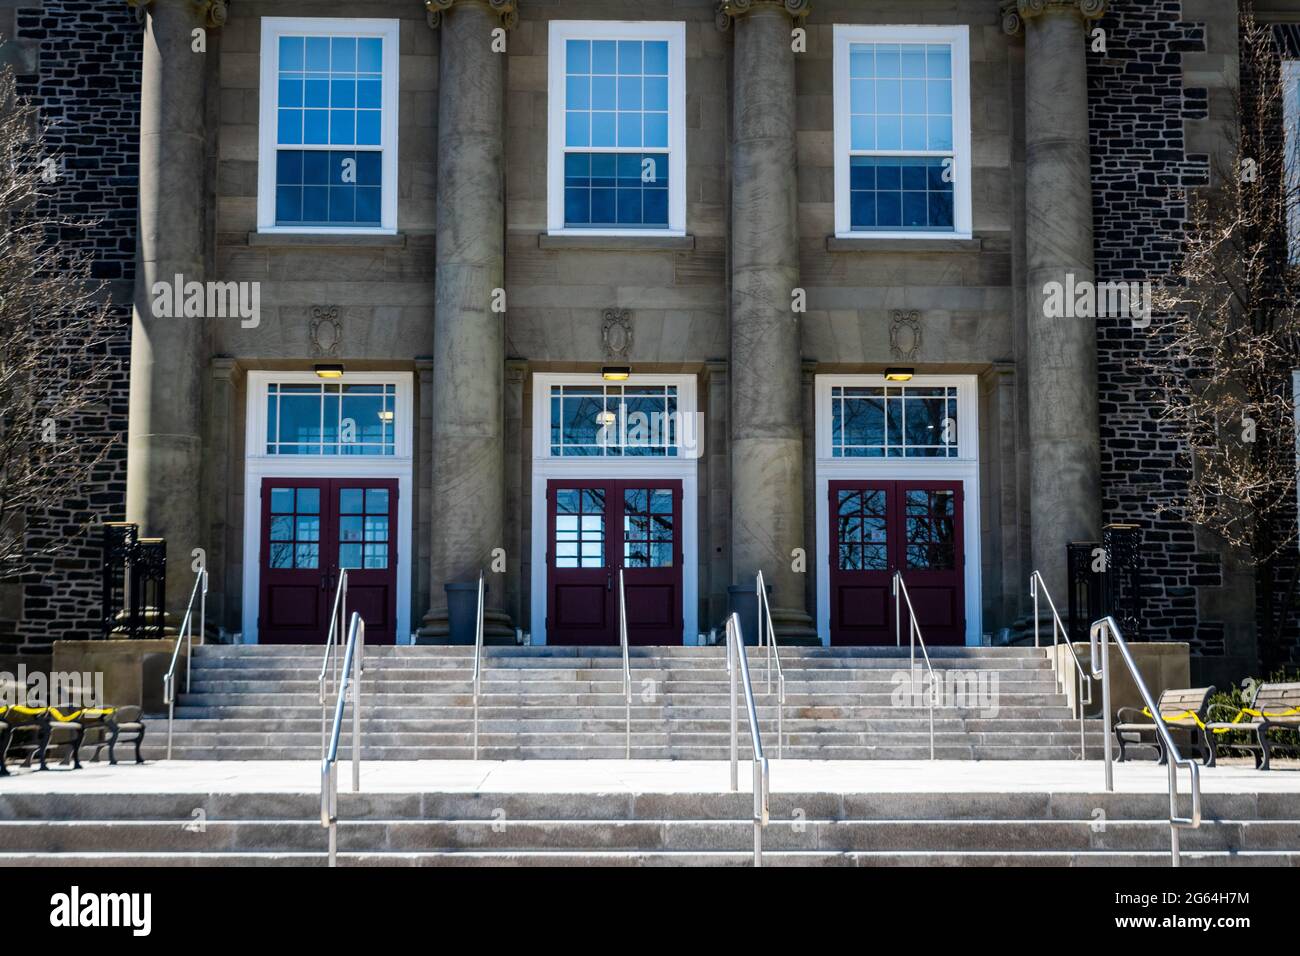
column 386, row 415
column 898, row 374
column 328, row 370
column 616, row 373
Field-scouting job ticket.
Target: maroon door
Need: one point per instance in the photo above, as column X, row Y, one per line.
column 878, row 527
column 596, row 528
column 310, row 529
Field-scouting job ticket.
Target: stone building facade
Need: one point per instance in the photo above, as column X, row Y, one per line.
column 512, row 229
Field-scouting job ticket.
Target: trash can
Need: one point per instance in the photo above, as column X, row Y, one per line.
column 462, row 611
column 742, row 599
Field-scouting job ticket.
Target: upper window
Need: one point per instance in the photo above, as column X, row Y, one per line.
column 328, row 137
column 617, row 151
column 1291, row 81
column 902, row 132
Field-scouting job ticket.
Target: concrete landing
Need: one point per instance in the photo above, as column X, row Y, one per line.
column 643, row 776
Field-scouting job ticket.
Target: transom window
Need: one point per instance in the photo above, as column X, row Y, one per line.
column 330, row 418
column 617, row 131
column 328, row 151
column 894, row 422
column 902, row 130
column 614, row 420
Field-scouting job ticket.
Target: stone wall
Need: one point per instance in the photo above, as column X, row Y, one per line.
column 79, row 62
column 1150, row 100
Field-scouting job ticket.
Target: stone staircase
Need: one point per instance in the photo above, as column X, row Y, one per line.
column 260, row 702
column 589, row 827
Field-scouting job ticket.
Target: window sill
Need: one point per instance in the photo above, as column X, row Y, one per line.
column 871, row 244
column 338, row 240
column 615, row 243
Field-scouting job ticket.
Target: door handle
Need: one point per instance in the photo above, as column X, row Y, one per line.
column 609, row 581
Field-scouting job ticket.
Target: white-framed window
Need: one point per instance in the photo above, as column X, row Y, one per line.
column 331, row 418
column 864, row 419
column 894, row 421
column 616, row 151
column 902, row 131
column 327, row 139
column 362, row 418
column 581, row 417
column 1291, row 85
column 603, row 420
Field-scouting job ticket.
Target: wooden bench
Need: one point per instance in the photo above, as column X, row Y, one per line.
column 1276, row 707
column 1182, row 710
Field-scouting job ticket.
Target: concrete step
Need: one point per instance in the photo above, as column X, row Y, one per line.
column 591, row 858
column 578, row 803
column 377, row 709
column 896, row 723
column 934, row 836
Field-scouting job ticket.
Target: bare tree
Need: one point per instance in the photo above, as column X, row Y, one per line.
column 55, row 330
column 1229, row 341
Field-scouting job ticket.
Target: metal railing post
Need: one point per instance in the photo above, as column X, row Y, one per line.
column 1107, row 717
column 734, row 667
column 357, row 668
column 478, row 656
column 1033, row 591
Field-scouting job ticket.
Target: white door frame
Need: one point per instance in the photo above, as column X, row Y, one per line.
column 683, row 468
column 964, row 469
column 259, row 466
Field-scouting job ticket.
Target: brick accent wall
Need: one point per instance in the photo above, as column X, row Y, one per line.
column 1138, row 106
column 79, row 62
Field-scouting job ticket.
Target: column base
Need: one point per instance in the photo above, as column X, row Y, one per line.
column 795, row 627
column 435, row 628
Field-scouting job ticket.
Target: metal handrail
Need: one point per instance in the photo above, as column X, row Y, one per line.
column 478, row 655
column 738, row 663
column 627, row 669
column 338, row 619
column 1099, row 637
column 1036, row 583
column 767, row 635
column 914, row 636
column 353, row 666
column 186, row 634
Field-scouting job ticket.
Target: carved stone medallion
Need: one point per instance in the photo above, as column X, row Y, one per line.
column 905, row 334
column 326, row 330
column 616, row 332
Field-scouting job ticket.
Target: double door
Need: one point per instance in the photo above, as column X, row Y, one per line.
column 597, row 528
column 879, row 527
column 311, row 529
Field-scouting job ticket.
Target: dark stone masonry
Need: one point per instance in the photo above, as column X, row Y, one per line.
column 86, row 82
column 1140, row 164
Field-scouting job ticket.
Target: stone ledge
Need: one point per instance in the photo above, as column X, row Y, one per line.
column 617, row 243
column 291, row 239
column 865, row 244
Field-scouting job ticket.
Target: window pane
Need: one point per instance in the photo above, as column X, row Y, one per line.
column 900, row 100
column 330, row 92
column 616, row 98
column 639, row 180
column 900, row 193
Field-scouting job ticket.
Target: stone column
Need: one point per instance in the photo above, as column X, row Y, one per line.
column 168, row 355
column 469, row 340
column 1064, row 445
column 766, row 423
